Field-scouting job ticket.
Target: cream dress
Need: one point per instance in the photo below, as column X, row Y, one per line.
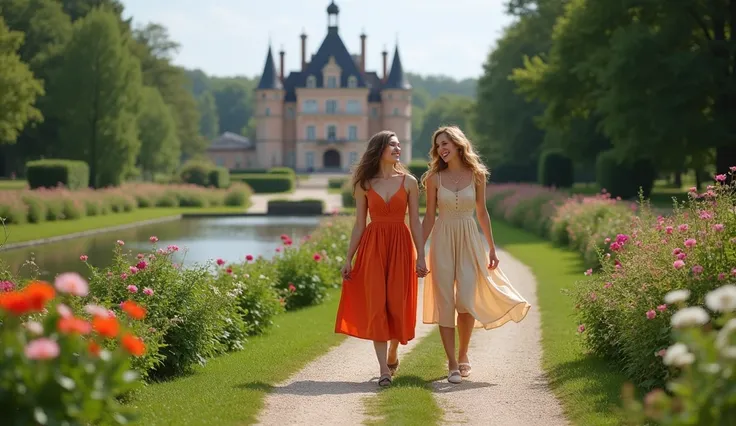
column 459, row 278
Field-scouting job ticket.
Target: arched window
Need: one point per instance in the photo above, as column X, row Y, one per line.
column 311, row 82
column 352, row 82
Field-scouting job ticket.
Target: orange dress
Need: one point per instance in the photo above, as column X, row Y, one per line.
column 379, row 301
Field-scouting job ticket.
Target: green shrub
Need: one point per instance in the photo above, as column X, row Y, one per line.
column 268, row 183
column 196, row 173
column 248, row 171
column 624, row 178
column 219, row 177
column 282, row 171
column 296, row 207
column 238, row 195
column 623, row 310
column 257, row 297
column 302, row 278
column 510, row 173
column 418, row 168
column 50, row 173
column 336, row 183
column 556, row 169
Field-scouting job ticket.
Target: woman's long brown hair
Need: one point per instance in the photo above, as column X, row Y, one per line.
column 370, row 163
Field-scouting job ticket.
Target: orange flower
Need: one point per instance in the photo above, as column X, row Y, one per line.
column 133, row 344
column 14, row 302
column 39, row 293
column 134, row 310
column 106, row 326
column 70, row 325
column 93, row 348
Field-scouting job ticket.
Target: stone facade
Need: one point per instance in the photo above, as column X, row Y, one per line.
column 320, row 117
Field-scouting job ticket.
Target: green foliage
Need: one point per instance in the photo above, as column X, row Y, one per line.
column 556, row 169
column 196, row 172
column 267, row 183
column 418, row 168
column 513, row 172
column 209, row 122
column 99, row 120
column 282, row 171
column 336, row 183
column 296, row 207
column 51, row 366
column 445, row 110
column 160, row 145
column 624, row 178
column 18, row 87
column 625, row 314
column 255, row 290
column 219, row 177
column 50, row 173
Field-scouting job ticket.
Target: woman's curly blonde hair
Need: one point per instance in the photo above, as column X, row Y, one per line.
column 467, row 152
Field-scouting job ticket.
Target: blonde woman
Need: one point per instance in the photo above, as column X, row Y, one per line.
column 464, row 278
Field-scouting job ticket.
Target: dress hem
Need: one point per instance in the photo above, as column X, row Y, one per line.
column 405, row 342
column 491, row 324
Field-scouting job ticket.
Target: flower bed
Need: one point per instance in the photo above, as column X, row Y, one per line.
column 40, row 205
column 622, row 310
column 181, row 316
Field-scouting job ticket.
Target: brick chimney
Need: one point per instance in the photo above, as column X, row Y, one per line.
column 385, row 64
column 304, row 50
column 362, row 52
column 281, row 71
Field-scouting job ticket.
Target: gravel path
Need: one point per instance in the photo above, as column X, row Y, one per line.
column 507, row 385
column 330, row 390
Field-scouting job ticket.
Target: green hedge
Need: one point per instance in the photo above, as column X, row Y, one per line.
column 306, row 207
column 418, row 168
column 509, row 172
column 623, row 178
column 336, row 183
column 196, row 173
column 268, row 183
column 282, row 171
column 50, row 173
column 219, row 177
column 249, row 171
column 556, row 169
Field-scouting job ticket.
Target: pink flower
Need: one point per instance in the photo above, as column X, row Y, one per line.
column 6, row 286
column 249, row 258
column 679, row 264
column 693, row 189
column 123, row 276
column 607, row 240
column 721, row 178
column 220, row 262
column 676, row 251
column 83, row 258
column 589, row 272
column 697, row 270
column 317, row 257
column 718, row 227
column 133, row 289
column 278, row 249
column 733, row 272
column 284, row 237
column 607, row 285
column 732, row 168
column 651, row 314
column 622, row 238
column 96, row 310
column 581, row 328
column 682, row 228
column 161, row 251
column 669, row 229
column 690, row 242
column 42, row 348
column 120, row 242
column 615, row 246
column 292, row 288
column 141, row 265
column 721, row 276
column 64, row 310
column 140, row 256
column 34, row 327
column 229, row 270
column 682, row 256
column 72, row 283
column 662, row 308
column 706, row 215
column 153, row 239
column 593, row 296
column 148, row 291
column 133, row 270
column 661, row 352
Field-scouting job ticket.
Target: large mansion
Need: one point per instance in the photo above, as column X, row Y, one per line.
column 321, row 117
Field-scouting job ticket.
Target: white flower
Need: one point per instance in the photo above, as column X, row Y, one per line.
column 690, row 317
column 722, row 299
column 676, row 296
column 678, row 356
column 334, row 246
column 724, row 337
column 339, row 259
column 712, row 368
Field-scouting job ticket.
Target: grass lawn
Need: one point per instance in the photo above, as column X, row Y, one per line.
column 33, row 231
column 587, row 386
column 230, row 389
column 12, row 184
column 409, row 399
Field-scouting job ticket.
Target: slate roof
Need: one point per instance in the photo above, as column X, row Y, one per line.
column 230, row 141
column 396, row 77
column 270, row 78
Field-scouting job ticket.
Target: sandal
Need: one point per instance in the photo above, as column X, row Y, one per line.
column 394, row 367
column 385, row 380
column 464, row 368
column 454, row 377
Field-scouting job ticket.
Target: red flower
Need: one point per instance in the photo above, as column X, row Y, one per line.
column 292, row 288
column 220, row 262
column 141, row 265
column 317, row 257
column 249, row 258
column 133, row 344
column 229, row 270
column 133, row 310
column 106, row 326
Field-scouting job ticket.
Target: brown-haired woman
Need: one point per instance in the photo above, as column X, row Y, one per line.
column 379, row 292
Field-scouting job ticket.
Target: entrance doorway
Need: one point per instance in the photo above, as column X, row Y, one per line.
column 331, row 159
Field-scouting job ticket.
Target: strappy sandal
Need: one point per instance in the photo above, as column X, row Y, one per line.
column 394, row 367
column 454, row 377
column 464, row 368
column 385, row 380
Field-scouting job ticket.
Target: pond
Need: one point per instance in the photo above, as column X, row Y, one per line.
column 199, row 240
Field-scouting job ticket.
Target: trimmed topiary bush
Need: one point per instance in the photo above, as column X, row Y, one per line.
column 50, row 173
column 219, row 177
column 196, row 172
column 556, row 169
column 509, row 172
column 623, row 178
column 268, row 183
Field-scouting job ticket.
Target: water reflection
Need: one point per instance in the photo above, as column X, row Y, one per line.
column 200, row 240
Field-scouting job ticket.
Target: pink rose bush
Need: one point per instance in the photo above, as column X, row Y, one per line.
column 693, row 250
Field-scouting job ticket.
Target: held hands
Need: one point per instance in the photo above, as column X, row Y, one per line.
column 422, row 270
column 492, row 259
column 345, row 271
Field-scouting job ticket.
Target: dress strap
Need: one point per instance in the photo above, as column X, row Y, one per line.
column 439, row 178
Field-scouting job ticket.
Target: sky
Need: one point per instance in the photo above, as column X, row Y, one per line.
column 231, row 37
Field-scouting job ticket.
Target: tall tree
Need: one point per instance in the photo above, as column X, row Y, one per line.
column 154, row 49
column 234, row 100
column 209, row 124
column 18, row 87
column 98, row 89
column 77, row 9
column 445, row 110
column 160, row 146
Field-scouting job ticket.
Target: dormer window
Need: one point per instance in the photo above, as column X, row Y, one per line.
column 311, row 82
column 352, row 82
column 332, row 82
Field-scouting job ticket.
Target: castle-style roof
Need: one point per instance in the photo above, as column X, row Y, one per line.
column 229, row 141
column 397, row 78
column 269, row 78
